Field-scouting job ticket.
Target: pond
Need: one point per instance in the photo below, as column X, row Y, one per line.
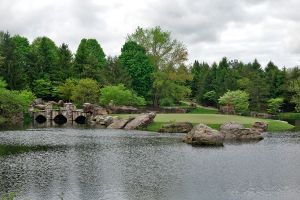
column 82, row 163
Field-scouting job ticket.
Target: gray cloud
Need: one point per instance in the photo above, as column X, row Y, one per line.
column 211, row 29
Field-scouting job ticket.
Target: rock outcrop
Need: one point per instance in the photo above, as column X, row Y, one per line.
column 236, row 131
column 140, row 121
column 119, row 123
column 179, row 127
column 103, row 120
column 204, row 136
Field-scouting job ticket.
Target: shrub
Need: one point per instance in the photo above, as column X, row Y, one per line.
column 238, row 99
column 86, row 91
column 119, row 95
column 274, row 105
column 65, row 90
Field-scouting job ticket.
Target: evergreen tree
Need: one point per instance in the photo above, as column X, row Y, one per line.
column 134, row 59
column 89, row 60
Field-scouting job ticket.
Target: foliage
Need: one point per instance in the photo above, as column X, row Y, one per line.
column 274, row 105
column 86, row 91
column 43, row 88
column 171, row 83
column 114, row 73
column 294, row 87
column 168, row 57
column 3, row 83
column 10, row 103
column 163, row 50
column 66, row 90
column 44, row 60
column 27, row 98
column 89, row 59
column 210, row 98
column 134, row 59
column 238, row 99
column 119, row 95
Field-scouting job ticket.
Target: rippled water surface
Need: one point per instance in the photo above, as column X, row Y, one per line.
column 115, row 164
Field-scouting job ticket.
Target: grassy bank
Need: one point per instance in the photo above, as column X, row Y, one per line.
column 214, row 121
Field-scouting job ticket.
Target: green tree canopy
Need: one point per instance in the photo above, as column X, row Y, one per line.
column 86, row 91
column 119, row 95
column 238, row 99
column 89, row 59
column 134, row 59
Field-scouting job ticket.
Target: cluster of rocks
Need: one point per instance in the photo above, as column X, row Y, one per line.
column 201, row 134
column 131, row 123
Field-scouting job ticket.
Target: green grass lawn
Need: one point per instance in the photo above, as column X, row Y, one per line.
column 213, row 120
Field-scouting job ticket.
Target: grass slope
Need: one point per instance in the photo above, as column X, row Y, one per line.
column 214, row 121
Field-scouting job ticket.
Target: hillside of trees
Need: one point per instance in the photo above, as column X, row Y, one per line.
column 152, row 69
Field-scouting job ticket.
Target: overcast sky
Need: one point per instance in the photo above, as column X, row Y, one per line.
column 210, row 29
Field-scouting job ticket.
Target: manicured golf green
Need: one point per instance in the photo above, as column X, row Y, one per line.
column 214, row 120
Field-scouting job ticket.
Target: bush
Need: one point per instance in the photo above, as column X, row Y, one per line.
column 167, row 102
column 274, row 105
column 65, row 90
column 43, row 88
column 238, row 99
column 119, row 95
column 86, row 91
column 11, row 103
column 27, row 97
column 210, row 98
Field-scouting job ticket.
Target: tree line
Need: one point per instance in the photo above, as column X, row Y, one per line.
column 151, row 69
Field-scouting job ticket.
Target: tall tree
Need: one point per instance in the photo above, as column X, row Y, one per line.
column 163, row 50
column 199, row 83
column 134, row 59
column 44, row 57
column 114, row 73
column 89, row 59
column 65, row 63
column 14, row 60
column 167, row 55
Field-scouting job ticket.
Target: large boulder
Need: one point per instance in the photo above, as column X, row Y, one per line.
column 236, row 131
column 179, row 127
column 142, row 120
column 260, row 126
column 204, row 135
column 103, row 120
column 119, row 123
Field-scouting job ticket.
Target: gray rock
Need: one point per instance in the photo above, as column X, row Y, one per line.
column 204, row 135
column 40, row 106
column 103, row 120
column 179, row 127
column 236, row 131
column 260, row 126
column 142, row 120
column 119, row 123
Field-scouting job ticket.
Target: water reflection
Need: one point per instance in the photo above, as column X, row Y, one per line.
column 116, row 164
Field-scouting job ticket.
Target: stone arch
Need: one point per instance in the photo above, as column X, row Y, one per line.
column 40, row 119
column 60, row 119
column 81, row 119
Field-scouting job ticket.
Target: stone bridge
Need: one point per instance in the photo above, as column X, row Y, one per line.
column 60, row 116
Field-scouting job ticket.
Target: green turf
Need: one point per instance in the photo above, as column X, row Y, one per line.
column 213, row 120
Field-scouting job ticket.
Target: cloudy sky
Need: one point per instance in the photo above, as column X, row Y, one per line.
column 210, row 29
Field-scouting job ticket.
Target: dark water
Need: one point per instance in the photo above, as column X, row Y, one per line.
column 114, row 164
